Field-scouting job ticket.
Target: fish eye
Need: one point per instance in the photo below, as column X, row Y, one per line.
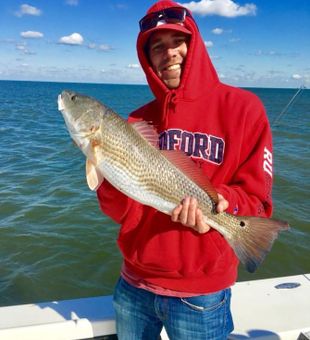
column 242, row 224
column 73, row 98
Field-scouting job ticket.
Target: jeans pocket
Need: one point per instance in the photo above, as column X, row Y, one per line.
column 206, row 303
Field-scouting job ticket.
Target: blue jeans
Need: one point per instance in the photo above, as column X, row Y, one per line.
column 140, row 315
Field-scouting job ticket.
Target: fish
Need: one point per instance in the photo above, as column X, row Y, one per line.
column 128, row 156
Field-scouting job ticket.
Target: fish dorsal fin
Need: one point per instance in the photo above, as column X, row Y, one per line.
column 191, row 170
column 147, row 131
column 93, row 176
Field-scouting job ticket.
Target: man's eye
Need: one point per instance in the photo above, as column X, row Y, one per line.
column 179, row 42
column 157, row 48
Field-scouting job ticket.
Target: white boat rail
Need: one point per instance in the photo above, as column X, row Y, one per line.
column 277, row 308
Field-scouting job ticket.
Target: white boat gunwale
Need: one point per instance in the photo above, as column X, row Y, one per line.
column 276, row 308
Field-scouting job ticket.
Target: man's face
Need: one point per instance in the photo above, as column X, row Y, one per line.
column 167, row 52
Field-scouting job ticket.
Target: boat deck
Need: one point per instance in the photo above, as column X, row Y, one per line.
column 277, row 308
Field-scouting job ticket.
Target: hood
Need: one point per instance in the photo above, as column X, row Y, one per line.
column 198, row 75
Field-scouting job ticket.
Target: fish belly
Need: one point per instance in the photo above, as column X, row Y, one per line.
column 131, row 185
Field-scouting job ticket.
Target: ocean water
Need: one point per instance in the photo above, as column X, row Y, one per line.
column 54, row 241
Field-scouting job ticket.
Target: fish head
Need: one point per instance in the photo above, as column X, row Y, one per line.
column 83, row 116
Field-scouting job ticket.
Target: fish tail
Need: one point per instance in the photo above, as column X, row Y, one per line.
column 252, row 245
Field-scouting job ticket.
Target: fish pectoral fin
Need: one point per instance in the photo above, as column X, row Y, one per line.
column 93, row 176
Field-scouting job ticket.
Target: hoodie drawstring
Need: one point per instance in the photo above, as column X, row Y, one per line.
column 169, row 104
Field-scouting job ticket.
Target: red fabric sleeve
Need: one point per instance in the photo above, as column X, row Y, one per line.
column 116, row 205
column 249, row 192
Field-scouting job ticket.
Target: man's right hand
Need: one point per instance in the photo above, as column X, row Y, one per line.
column 190, row 215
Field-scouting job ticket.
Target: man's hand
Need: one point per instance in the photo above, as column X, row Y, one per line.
column 189, row 214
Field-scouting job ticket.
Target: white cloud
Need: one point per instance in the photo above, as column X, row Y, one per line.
column 296, row 76
column 121, row 6
column 217, row 31
column 234, row 40
column 270, row 53
column 24, row 49
column 215, row 57
column 133, row 66
column 225, row 8
column 21, row 47
column 72, row 2
column 101, row 47
column 28, row 10
column 209, row 43
column 73, row 39
column 104, row 47
column 31, row 34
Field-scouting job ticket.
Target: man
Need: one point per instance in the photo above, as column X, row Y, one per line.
column 177, row 272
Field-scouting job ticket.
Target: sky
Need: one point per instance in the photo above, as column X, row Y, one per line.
column 259, row 43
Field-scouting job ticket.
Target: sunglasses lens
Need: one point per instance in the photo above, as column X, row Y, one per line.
column 175, row 15
column 171, row 15
column 148, row 22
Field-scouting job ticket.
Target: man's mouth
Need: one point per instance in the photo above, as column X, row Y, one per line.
column 172, row 67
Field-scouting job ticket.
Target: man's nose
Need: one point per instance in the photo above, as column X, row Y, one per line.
column 171, row 52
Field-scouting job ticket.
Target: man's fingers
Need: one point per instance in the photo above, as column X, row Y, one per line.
column 222, row 204
column 184, row 212
column 191, row 214
column 176, row 212
column 201, row 226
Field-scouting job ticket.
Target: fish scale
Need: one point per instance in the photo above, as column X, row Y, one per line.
column 134, row 164
column 173, row 185
column 122, row 153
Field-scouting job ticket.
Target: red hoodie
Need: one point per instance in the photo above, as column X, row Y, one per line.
column 226, row 132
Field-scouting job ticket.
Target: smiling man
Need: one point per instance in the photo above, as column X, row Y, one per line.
column 177, row 272
column 167, row 53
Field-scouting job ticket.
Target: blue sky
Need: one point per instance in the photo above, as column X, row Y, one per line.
column 259, row 43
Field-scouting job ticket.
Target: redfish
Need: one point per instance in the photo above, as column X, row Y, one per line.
column 127, row 155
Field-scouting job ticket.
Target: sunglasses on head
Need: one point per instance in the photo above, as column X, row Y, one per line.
column 171, row 15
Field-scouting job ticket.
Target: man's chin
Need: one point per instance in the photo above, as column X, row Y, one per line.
column 172, row 83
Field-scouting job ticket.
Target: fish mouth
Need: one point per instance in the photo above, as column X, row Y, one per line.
column 69, row 119
column 60, row 102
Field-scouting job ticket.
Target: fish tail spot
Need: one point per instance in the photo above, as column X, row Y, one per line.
column 256, row 239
